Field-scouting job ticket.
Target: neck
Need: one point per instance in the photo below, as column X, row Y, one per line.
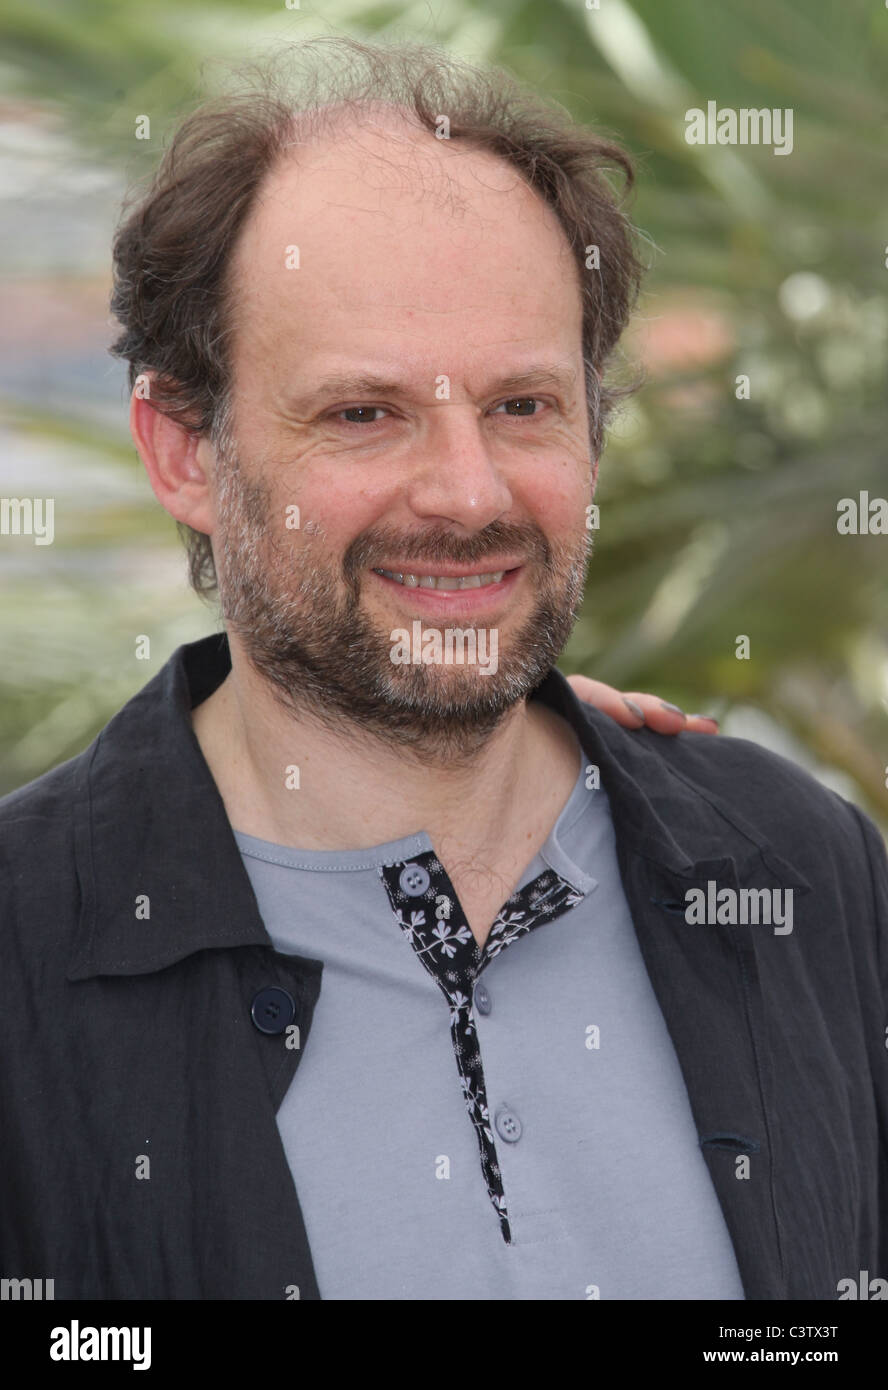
column 355, row 791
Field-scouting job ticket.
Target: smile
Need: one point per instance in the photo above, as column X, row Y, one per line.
column 443, row 581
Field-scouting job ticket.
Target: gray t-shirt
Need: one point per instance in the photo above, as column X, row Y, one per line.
column 511, row 1123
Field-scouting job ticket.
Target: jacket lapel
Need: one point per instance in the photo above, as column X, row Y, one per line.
column 170, row 940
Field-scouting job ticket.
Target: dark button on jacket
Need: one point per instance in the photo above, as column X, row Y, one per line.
column 273, row 1010
column 148, row 1033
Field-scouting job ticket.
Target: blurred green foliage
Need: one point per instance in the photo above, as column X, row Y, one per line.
column 718, row 512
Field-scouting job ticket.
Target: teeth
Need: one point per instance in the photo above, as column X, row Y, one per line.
column 443, row 581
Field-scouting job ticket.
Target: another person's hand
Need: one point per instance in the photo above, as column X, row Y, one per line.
column 636, row 711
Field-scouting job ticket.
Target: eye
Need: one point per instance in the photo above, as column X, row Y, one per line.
column 523, row 401
column 364, row 410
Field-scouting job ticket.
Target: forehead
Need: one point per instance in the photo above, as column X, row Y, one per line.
column 378, row 229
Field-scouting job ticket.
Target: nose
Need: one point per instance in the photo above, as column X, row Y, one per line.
column 459, row 479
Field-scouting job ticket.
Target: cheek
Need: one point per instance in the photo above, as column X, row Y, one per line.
column 338, row 511
column 557, row 498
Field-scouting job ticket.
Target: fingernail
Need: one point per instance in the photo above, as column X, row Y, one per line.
column 707, row 717
column 674, row 708
column 633, row 708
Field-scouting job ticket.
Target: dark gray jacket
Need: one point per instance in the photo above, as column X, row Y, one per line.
column 128, row 1037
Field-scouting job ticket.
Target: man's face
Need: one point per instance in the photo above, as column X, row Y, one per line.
column 439, row 274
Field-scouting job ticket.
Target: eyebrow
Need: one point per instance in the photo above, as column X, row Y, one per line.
column 348, row 384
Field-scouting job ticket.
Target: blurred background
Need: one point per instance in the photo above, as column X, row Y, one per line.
column 718, row 511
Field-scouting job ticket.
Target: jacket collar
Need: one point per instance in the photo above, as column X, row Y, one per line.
column 151, row 834
column 159, row 869
column 659, row 811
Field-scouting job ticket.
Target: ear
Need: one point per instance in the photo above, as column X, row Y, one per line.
column 179, row 464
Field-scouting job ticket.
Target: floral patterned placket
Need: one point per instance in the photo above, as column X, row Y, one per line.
column 428, row 912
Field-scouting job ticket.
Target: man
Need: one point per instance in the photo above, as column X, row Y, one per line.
column 372, row 967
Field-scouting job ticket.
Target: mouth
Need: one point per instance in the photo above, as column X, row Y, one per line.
column 452, row 589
